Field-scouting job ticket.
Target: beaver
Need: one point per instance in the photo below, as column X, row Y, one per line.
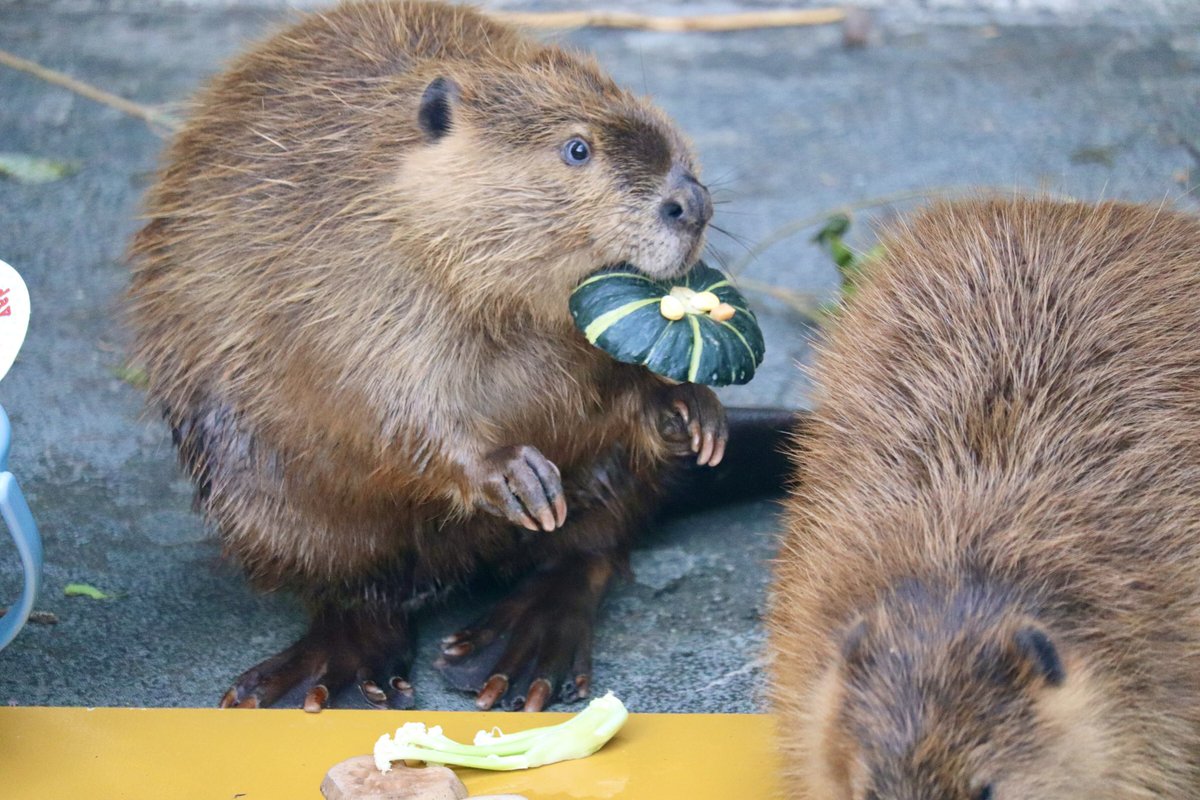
column 989, row 586
column 350, row 298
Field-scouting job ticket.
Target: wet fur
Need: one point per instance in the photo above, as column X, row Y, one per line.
column 1006, row 439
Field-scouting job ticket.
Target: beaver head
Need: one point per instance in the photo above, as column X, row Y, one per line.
column 535, row 172
column 957, row 695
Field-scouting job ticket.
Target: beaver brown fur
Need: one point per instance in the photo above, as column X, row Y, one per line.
column 990, row 583
column 351, row 299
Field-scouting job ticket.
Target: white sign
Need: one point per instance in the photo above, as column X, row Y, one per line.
column 14, row 316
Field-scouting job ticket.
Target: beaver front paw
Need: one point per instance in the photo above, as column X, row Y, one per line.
column 521, row 485
column 692, row 420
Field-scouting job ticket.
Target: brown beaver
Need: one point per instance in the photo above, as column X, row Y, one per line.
column 351, row 300
column 990, row 585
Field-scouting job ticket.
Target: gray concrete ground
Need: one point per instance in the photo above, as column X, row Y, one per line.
column 789, row 124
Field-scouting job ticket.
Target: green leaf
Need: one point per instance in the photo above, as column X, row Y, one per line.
column 1104, row 156
column 875, row 252
column 134, row 376
column 849, row 263
column 24, row 168
column 834, row 228
column 843, row 256
column 831, row 237
column 85, row 590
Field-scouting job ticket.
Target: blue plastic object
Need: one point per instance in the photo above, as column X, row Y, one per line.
column 20, row 524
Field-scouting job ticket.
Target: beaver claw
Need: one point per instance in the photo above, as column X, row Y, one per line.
column 523, row 486
column 693, row 420
column 333, row 654
column 536, row 646
column 518, row 671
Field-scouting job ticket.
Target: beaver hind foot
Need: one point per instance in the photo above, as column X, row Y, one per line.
column 367, row 646
column 535, row 647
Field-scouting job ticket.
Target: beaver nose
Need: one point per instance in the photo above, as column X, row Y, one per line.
column 688, row 205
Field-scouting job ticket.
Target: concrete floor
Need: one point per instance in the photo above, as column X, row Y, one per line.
column 788, row 124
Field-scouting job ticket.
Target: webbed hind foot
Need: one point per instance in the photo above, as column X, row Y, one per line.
column 535, row 648
column 363, row 646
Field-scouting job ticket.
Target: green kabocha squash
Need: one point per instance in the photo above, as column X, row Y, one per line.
column 696, row 329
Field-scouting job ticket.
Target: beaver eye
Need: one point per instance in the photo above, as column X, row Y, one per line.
column 576, row 152
column 984, row 792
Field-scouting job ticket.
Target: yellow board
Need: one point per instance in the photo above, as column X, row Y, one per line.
column 163, row 754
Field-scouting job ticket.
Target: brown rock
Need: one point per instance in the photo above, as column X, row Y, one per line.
column 358, row 779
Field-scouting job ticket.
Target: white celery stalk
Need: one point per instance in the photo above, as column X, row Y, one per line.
column 578, row 737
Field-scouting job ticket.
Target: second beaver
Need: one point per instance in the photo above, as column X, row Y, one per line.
column 990, row 586
column 351, row 299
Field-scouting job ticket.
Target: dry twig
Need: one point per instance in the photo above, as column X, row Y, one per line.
column 149, row 115
column 807, row 305
column 803, row 303
column 37, row 617
column 789, row 229
column 746, row 20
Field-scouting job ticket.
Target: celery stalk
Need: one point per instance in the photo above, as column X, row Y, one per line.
column 578, row 737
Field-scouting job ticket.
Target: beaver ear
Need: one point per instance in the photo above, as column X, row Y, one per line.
column 436, row 113
column 1034, row 646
